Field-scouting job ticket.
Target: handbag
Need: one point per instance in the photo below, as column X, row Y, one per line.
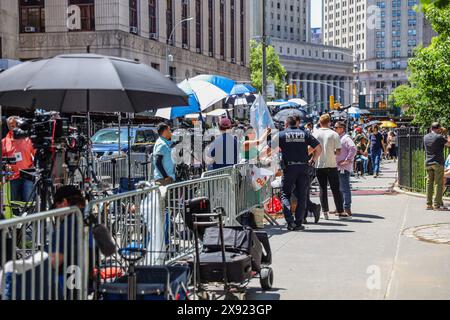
column 311, row 170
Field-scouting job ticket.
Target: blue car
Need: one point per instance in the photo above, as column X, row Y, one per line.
column 106, row 141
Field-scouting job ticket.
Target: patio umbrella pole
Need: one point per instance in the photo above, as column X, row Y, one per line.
column 129, row 153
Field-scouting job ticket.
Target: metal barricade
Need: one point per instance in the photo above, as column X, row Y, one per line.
column 246, row 197
column 111, row 171
column 218, row 189
column 42, row 256
column 136, row 220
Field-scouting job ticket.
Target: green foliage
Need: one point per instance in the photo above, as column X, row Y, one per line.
column 437, row 3
column 275, row 71
column 428, row 94
column 404, row 97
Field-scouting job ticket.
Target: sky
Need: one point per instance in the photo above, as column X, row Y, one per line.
column 316, row 13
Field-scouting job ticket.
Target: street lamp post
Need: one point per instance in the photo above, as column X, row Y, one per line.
column 264, row 50
column 169, row 40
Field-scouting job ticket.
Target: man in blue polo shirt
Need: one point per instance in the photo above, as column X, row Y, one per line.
column 164, row 172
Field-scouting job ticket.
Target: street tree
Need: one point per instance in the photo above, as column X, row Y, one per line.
column 428, row 93
column 275, row 71
column 437, row 3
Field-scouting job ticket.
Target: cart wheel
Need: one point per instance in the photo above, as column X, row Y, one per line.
column 266, row 279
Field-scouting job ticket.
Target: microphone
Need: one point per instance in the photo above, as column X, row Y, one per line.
column 104, row 240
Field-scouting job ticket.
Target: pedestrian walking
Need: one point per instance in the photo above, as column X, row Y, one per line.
column 435, row 143
column 345, row 166
column 377, row 148
column 392, row 145
column 311, row 207
column 327, row 172
column 294, row 144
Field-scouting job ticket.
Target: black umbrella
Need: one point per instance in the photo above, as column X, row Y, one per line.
column 284, row 114
column 88, row 83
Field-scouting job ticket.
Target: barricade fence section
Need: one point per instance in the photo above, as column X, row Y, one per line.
column 412, row 173
column 42, row 256
column 112, row 171
column 245, row 195
column 53, row 255
column 135, row 220
column 218, row 189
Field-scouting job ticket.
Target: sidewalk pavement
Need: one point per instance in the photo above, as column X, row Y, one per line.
column 376, row 255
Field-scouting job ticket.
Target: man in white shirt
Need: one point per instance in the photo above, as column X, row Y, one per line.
column 327, row 171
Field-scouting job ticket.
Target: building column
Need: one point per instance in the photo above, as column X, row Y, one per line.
column 162, row 25
column 289, row 82
column 205, row 16
column 144, row 21
column 217, row 29
column 316, row 89
column 342, row 92
column 296, row 83
column 228, row 21
column 310, row 89
column 192, row 42
column 178, row 33
column 330, row 91
column 237, row 24
column 56, row 15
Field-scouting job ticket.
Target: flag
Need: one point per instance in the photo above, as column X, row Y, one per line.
column 260, row 118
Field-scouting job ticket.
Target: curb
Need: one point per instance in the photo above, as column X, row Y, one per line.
column 413, row 194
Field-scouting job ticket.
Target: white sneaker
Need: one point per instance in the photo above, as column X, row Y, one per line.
column 325, row 215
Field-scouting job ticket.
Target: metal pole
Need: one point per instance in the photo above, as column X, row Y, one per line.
column 264, row 50
column 169, row 40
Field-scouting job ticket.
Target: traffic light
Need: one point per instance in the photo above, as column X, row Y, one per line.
column 331, row 102
column 294, row 89
column 289, row 90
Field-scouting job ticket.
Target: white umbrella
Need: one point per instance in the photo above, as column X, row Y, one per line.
column 300, row 102
column 208, row 89
column 217, row 113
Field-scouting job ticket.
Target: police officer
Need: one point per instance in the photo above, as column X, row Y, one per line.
column 294, row 143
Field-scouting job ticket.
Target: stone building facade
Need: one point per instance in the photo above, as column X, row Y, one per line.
column 214, row 41
column 318, row 72
column 383, row 34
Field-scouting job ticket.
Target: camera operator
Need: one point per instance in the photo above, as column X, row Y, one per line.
column 22, row 149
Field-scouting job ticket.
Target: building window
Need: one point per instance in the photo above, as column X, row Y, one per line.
column 222, row 29
column 185, row 25
column 173, row 73
column 156, row 66
column 169, row 21
column 133, row 16
column 32, row 16
column 87, row 8
column 211, row 27
column 153, row 17
column 198, row 25
column 243, row 32
column 233, row 30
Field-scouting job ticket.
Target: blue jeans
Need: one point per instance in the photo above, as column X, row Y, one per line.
column 346, row 189
column 365, row 162
column 376, row 160
column 21, row 190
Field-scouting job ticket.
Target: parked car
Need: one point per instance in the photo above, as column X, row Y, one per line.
column 106, row 141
